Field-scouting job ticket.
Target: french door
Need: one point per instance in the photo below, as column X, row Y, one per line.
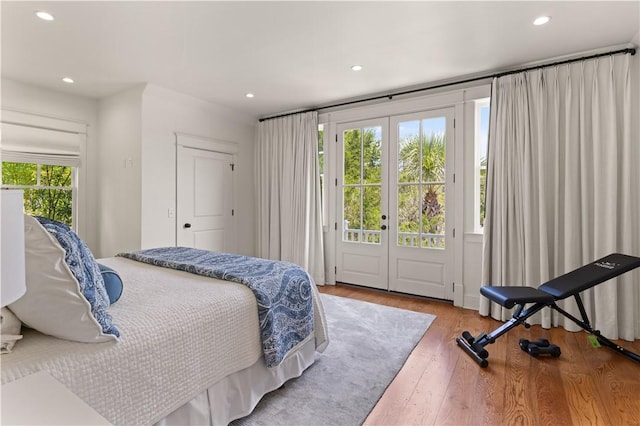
column 362, row 240
column 395, row 206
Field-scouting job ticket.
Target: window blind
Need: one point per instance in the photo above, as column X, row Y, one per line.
column 25, row 143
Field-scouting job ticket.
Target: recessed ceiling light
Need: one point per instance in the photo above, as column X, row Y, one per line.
column 68, row 80
column 356, row 67
column 44, row 15
column 249, row 95
column 541, row 20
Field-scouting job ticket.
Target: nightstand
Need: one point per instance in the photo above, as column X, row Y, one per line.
column 41, row 399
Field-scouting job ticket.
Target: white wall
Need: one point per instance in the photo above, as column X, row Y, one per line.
column 119, row 186
column 35, row 100
column 130, row 167
column 138, row 165
column 165, row 112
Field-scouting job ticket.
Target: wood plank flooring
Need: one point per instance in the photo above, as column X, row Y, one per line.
column 440, row 384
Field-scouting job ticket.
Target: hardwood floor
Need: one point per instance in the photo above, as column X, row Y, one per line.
column 440, row 384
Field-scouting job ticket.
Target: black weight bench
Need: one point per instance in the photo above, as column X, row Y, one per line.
column 567, row 285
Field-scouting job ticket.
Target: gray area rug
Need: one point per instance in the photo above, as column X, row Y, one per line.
column 369, row 343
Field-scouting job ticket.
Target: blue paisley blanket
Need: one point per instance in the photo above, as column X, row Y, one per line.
column 282, row 290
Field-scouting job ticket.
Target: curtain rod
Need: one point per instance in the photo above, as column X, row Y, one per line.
column 630, row 51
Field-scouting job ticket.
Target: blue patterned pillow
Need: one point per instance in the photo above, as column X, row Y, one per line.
column 85, row 268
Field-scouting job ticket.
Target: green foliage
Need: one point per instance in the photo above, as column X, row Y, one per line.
column 47, row 189
column 362, row 165
column 483, row 189
column 321, row 163
column 19, row 174
column 321, row 151
column 421, row 175
column 422, row 201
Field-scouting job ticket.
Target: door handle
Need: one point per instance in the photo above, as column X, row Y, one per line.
column 383, row 227
column 384, row 217
column 187, row 225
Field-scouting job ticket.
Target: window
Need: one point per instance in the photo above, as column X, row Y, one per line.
column 321, row 157
column 321, row 161
column 43, row 156
column 49, row 190
column 481, row 137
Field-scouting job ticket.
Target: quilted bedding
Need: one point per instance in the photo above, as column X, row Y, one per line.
column 282, row 290
column 174, row 344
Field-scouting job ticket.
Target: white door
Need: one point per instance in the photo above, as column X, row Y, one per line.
column 421, row 203
column 395, row 203
column 362, row 202
column 204, row 210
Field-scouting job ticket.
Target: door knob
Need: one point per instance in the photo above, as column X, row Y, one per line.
column 187, row 225
column 383, row 227
column 384, row 216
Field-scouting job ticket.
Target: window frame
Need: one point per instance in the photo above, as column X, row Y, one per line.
column 73, row 187
column 29, row 137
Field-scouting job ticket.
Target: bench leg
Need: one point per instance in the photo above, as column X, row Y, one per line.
column 466, row 346
column 622, row 351
column 474, row 347
column 586, row 325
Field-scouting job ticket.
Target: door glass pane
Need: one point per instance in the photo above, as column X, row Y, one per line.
column 352, row 214
column 408, row 215
column 421, row 158
column 433, row 149
column 362, row 191
column 433, row 216
column 408, row 151
column 352, row 155
column 372, row 155
column 371, row 201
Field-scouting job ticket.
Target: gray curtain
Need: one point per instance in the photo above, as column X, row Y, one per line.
column 288, row 192
column 563, row 187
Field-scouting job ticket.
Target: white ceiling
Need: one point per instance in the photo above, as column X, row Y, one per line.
column 293, row 55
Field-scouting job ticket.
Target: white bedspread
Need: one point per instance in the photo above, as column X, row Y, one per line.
column 180, row 334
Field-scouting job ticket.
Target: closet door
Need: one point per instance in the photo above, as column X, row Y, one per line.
column 204, row 200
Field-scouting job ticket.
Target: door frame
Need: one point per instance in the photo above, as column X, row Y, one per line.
column 455, row 99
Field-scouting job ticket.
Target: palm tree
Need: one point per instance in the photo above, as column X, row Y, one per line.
column 422, row 165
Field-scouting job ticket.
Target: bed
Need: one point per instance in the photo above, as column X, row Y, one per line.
column 190, row 351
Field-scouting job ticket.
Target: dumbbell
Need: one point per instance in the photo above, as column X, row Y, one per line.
column 540, row 347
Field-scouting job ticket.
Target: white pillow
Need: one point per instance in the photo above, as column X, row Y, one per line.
column 54, row 303
column 9, row 330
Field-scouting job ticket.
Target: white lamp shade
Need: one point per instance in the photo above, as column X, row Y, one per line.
column 12, row 250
